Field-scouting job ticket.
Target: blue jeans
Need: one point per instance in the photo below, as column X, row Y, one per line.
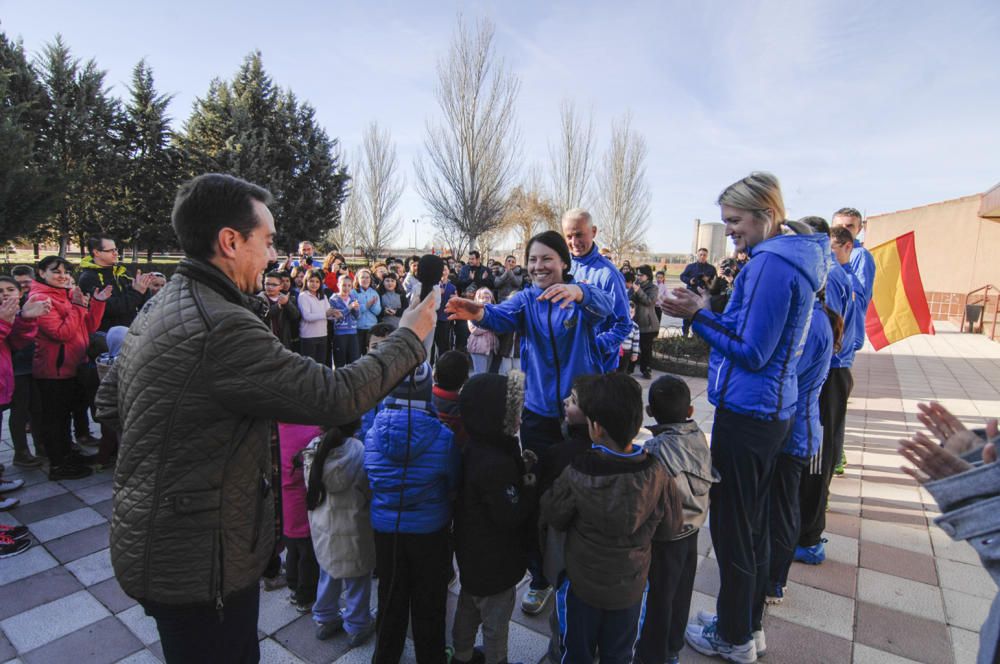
column 357, row 601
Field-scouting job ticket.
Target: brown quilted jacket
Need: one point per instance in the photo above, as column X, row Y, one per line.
column 199, row 379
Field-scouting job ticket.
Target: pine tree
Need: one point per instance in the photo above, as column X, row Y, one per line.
column 81, row 137
column 155, row 166
column 253, row 129
column 26, row 194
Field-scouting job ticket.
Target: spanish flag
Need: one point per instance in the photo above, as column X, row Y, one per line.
column 899, row 305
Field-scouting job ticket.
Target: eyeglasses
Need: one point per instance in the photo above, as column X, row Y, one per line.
column 113, row 250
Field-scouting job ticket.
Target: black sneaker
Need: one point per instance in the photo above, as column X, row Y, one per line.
column 69, row 471
column 11, row 547
column 14, row 532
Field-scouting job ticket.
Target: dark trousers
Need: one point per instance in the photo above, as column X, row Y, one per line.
column 538, row 433
column 461, row 336
column 587, row 631
column 814, row 490
column 204, row 634
column 671, row 582
column 646, row 351
column 363, row 337
column 57, row 399
column 784, row 514
column 625, row 364
column 345, row 349
column 686, row 326
column 413, row 572
column 20, row 413
column 301, row 568
column 314, row 347
column 442, row 337
column 744, row 451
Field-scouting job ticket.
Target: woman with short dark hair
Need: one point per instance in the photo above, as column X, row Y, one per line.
column 60, row 348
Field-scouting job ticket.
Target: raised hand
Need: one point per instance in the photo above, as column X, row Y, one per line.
column 682, row 303
column 35, row 306
column 103, row 294
column 932, row 461
column 76, row 296
column 562, row 294
column 141, row 282
column 421, row 316
column 8, row 309
column 283, row 299
column 459, row 308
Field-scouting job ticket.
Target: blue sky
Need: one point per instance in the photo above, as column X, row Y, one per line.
column 880, row 106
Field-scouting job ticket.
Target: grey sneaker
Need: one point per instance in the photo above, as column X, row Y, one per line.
column 534, row 601
column 706, row 618
column 26, row 460
column 707, row 641
column 325, row 630
column 361, row 637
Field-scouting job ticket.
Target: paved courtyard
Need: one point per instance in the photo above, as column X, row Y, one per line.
column 894, row 589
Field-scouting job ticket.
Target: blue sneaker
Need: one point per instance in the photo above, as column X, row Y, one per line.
column 811, row 555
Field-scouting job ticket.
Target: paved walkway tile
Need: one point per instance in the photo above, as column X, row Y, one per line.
column 45, row 623
column 894, row 589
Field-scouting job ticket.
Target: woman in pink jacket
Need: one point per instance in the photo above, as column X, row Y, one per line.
column 60, row 348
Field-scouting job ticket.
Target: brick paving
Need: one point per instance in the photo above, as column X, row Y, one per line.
column 894, row 589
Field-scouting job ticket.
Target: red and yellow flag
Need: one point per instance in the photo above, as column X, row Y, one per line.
column 899, row 305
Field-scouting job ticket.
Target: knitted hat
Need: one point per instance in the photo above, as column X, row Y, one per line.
column 491, row 404
column 416, row 386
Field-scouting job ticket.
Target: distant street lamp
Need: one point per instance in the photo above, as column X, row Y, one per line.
column 415, row 222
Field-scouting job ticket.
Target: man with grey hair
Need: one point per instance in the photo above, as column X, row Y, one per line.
column 590, row 266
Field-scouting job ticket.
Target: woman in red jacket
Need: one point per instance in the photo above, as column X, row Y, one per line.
column 60, row 348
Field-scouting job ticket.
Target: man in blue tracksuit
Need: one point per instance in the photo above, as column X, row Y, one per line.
column 862, row 267
column 844, row 296
column 590, row 267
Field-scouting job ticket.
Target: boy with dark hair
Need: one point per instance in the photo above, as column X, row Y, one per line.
column 494, row 508
column 610, row 501
column 681, row 447
column 450, row 373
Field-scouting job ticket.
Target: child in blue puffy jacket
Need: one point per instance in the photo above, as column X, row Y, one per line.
column 413, row 468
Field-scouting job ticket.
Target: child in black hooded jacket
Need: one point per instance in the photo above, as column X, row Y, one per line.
column 492, row 515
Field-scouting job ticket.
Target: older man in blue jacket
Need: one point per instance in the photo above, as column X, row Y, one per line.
column 590, row 267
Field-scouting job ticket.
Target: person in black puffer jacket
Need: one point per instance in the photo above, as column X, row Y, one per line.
column 492, row 516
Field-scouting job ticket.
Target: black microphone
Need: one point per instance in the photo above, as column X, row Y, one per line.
column 430, row 269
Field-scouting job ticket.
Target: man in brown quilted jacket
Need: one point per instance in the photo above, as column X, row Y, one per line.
column 198, row 381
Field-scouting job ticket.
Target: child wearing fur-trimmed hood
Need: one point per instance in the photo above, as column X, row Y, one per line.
column 492, row 515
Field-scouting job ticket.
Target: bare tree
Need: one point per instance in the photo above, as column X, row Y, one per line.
column 529, row 212
column 570, row 159
column 346, row 233
column 471, row 153
column 377, row 189
column 623, row 200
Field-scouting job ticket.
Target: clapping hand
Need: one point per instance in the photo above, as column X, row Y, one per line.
column 685, row 304
column 932, row 461
column 77, row 297
column 103, row 294
column 8, row 309
column 947, row 428
column 36, row 305
column 141, row 282
column 282, row 299
column 334, row 314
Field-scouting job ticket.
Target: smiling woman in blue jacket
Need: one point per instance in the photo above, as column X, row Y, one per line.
column 557, row 321
column 756, row 344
